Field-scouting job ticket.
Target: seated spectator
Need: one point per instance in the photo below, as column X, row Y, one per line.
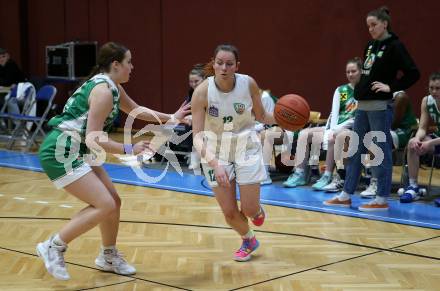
column 404, row 121
column 424, row 143
column 195, row 77
column 10, row 73
column 341, row 119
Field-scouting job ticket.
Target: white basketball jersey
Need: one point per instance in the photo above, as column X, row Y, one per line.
column 232, row 111
column 229, row 122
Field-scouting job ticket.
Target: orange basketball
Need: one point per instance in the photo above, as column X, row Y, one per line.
column 292, row 112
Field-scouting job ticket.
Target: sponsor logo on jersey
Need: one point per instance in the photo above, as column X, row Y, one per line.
column 351, row 106
column 343, row 96
column 369, row 61
column 239, row 108
column 213, row 111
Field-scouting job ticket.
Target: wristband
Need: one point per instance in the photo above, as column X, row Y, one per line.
column 128, row 149
column 173, row 118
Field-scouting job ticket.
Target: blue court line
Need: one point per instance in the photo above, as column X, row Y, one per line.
column 421, row 214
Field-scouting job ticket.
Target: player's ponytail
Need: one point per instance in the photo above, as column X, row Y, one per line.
column 383, row 14
column 107, row 54
column 208, row 69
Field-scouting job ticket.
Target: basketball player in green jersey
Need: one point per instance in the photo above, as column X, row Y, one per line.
column 80, row 129
column 423, row 142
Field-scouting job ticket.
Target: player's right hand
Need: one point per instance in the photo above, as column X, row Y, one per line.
column 414, row 144
column 221, row 176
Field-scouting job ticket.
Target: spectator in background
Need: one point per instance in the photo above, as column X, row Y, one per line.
column 195, row 77
column 404, row 121
column 340, row 120
column 10, row 76
column 387, row 68
column 423, row 142
column 10, row 73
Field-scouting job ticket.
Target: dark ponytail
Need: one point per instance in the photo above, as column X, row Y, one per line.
column 107, row 54
column 383, row 14
column 208, row 69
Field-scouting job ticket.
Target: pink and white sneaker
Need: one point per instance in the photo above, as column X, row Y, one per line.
column 248, row 246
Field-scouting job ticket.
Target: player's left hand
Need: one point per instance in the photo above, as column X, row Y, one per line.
column 183, row 111
column 380, row 87
column 425, row 147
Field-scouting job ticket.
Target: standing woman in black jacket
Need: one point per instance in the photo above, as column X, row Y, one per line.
column 384, row 57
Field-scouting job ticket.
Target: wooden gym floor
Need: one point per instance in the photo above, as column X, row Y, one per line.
column 179, row 241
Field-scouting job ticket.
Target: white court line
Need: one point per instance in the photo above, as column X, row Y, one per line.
column 146, row 184
column 41, row 202
column 272, row 202
column 1, row 195
column 19, row 198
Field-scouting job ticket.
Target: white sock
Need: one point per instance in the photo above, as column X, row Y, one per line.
column 413, row 182
column 343, row 196
column 381, row 200
column 299, row 171
column 108, row 249
column 327, row 173
column 249, row 234
column 58, row 241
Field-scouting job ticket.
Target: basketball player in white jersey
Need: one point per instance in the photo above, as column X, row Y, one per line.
column 224, row 109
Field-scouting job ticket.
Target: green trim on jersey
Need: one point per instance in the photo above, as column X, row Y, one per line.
column 347, row 102
column 434, row 113
column 62, row 151
column 406, row 127
column 409, row 119
column 76, row 110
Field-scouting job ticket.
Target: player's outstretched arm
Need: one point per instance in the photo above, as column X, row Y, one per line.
column 133, row 109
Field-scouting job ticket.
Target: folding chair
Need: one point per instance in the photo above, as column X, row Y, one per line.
column 404, row 179
column 4, row 116
column 12, row 104
column 28, row 134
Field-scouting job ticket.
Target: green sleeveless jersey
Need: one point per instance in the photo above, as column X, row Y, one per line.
column 347, row 102
column 409, row 118
column 433, row 112
column 76, row 110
